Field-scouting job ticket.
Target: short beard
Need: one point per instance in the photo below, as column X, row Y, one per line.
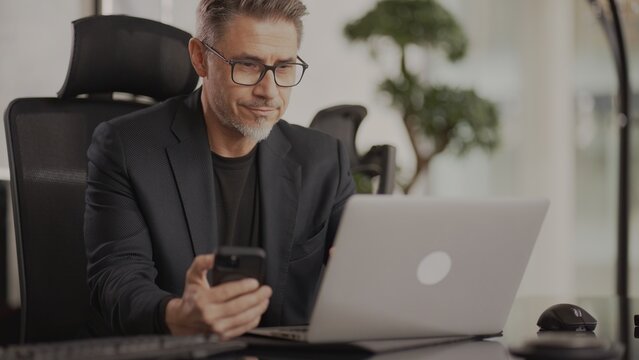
column 256, row 133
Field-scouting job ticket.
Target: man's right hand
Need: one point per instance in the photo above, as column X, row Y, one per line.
column 228, row 310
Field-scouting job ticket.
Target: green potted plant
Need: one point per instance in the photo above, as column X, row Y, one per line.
column 437, row 117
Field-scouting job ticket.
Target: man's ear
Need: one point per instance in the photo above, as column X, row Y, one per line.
column 198, row 57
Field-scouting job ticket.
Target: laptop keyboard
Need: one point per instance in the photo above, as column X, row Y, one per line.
column 124, row 348
column 297, row 333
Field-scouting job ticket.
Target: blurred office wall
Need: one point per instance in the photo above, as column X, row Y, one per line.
column 35, row 38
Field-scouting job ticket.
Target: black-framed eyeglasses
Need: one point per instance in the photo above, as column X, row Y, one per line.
column 249, row 72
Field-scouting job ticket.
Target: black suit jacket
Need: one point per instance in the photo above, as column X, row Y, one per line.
column 150, row 208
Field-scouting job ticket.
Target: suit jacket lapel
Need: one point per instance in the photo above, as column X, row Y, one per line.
column 280, row 185
column 190, row 161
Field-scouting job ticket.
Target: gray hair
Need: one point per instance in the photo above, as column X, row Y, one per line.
column 214, row 15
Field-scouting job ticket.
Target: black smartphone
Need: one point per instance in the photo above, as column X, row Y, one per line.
column 235, row 263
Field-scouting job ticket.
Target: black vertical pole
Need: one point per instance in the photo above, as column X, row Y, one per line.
column 614, row 34
column 624, row 179
column 97, row 7
column 624, row 155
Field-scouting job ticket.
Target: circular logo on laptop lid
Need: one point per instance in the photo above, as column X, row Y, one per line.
column 433, row 268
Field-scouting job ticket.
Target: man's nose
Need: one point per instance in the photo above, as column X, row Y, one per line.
column 266, row 88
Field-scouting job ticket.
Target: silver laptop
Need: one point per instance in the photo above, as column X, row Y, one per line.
column 411, row 267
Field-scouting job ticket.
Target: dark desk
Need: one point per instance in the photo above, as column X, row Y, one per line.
column 614, row 319
column 615, row 323
column 477, row 350
column 520, row 327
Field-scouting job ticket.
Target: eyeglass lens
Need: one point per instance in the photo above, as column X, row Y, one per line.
column 251, row 72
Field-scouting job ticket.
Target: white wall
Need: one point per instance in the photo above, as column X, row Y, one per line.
column 547, row 161
column 35, row 37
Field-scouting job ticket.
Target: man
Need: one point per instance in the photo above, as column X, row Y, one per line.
column 170, row 184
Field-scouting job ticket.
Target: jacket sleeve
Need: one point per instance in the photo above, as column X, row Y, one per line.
column 121, row 273
column 345, row 188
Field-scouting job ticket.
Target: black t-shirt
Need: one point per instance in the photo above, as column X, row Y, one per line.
column 237, row 199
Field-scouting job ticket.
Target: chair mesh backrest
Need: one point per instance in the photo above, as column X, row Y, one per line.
column 47, row 140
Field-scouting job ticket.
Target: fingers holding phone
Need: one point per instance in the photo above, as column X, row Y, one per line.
column 242, row 312
column 229, row 308
column 239, row 305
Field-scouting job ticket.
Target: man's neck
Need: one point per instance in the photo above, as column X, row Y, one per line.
column 223, row 140
column 226, row 142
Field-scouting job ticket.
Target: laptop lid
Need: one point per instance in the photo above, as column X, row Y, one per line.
column 419, row 267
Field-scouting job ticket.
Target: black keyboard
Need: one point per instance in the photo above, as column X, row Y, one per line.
column 124, row 348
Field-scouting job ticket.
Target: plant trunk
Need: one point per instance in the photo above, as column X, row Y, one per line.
column 413, row 129
column 422, row 164
column 403, row 63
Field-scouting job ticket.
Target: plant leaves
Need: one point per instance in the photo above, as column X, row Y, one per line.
column 419, row 22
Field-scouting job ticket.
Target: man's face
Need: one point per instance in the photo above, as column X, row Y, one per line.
column 250, row 110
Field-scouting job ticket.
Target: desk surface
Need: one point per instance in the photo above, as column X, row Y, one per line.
column 476, row 350
column 615, row 323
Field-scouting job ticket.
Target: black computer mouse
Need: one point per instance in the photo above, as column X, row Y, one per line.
column 566, row 317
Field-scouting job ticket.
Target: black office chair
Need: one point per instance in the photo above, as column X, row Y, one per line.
column 47, row 139
column 342, row 122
